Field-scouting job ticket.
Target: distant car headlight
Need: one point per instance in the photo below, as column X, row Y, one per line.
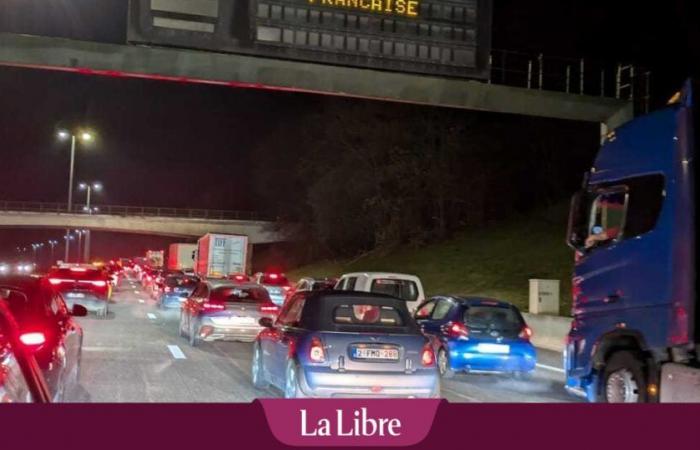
column 4, row 268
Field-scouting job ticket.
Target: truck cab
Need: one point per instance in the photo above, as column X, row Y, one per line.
column 632, row 228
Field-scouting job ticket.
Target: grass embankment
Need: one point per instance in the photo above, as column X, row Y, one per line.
column 495, row 262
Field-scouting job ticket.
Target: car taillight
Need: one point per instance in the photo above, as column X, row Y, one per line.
column 34, row 339
column 213, row 306
column 427, row 356
column 99, row 283
column 457, row 330
column 269, row 308
column 316, row 352
column 286, row 288
column 54, row 281
column 525, row 333
column 239, row 278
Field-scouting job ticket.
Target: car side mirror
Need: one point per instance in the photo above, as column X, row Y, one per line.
column 79, row 311
column 265, row 322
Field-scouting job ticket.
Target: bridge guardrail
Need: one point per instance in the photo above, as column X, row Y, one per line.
column 139, row 211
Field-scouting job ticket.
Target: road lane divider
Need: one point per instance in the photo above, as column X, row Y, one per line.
column 176, row 352
column 151, row 316
column 552, row 368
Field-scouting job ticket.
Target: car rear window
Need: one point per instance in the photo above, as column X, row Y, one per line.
column 322, row 285
column 274, row 279
column 403, row 289
column 232, row 294
column 77, row 274
column 180, row 281
column 359, row 314
column 492, row 318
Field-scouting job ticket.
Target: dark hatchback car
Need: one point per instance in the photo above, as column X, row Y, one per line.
column 47, row 328
column 175, row 290
column 221, row 310
column 85, row 285
column 21, row 379
column 330, row 344
column 477, row 335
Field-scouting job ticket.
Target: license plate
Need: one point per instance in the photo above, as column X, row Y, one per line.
column 75, row 295
column 493, row 348
column 390, row 354
column 233, row 320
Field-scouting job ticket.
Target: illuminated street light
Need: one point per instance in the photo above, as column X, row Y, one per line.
column 85, row 137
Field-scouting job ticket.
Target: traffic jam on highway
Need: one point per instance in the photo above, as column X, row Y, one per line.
column 364, row 334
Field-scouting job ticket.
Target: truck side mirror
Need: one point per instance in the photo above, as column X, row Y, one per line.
column 576, row 229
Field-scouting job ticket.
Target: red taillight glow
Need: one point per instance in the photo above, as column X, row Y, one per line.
column 239, row 278
column 273, row 276
column 525, row 333
column 33, row 339
column 78, row 269
column 286, row 288
column 269, row 309
column 427, row 357
column 55, row 281
column 213, row 306
column 457, row 330
column 99, row 283
column 316, row 352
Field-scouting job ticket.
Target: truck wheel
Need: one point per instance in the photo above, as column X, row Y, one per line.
column 624, row 379
column 444, row 365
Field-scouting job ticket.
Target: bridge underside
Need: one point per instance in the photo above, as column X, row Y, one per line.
column 265, row 73
column 258, row 232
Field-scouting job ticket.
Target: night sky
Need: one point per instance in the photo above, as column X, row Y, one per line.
column 167, row 144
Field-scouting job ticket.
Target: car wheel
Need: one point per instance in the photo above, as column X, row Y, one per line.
column 624, row 379
column 291, row 384
column 193, row 335
column 181, row 330
column 257, row 374
column 444, row 365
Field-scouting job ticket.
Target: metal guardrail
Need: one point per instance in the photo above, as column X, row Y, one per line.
column 133, row 211
column 573, row 76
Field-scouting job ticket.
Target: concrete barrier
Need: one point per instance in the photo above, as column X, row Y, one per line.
column 548, row 332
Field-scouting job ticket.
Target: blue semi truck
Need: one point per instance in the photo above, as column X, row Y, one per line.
column 634, row 335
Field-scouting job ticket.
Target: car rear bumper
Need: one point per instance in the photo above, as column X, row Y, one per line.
column 210, row 331
column 172, row 301
column 323, row 382
column 90, row 302
column 467, row 357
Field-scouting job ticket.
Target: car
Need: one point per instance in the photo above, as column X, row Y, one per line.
column 276, row 284
column 21, row 379
column 312, row 284
column 157, row 285
column 176, row 289
column 83, row 284
column 403, row 286
column 477, row 335
column 329, row 344
column 48, row 329
column 223, row 310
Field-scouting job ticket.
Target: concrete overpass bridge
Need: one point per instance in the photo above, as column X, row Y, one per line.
column 173, row 222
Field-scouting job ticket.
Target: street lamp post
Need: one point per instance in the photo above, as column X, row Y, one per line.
column 52, row 244
column 89, row 187
column 68, row 237
column 84, row 136
column 80, row 234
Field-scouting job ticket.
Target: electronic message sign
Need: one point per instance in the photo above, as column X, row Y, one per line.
column 437, row 37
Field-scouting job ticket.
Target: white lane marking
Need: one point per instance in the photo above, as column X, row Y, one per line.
column 552, row 368
column 142, row 300
column 151, row 316
column 176, row 352
column 137, row 292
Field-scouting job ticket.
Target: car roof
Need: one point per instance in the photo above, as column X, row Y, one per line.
column 478, row 301
column 380, row 274
column 20, row 282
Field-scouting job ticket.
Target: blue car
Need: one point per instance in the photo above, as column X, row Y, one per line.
column 331, row 344
column 477, row 335
column 175, row 290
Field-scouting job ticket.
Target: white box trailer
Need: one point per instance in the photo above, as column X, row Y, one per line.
column 181, row 256
column 220, row 255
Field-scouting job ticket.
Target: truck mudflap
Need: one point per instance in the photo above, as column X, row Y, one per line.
column 680, row 384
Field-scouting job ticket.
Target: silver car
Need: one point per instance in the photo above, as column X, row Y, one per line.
column 223, row 310
column 345, row 344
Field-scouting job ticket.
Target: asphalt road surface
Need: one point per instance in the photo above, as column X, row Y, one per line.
column 136, row 355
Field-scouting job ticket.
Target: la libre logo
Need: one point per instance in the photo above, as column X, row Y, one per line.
column 356, row 424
